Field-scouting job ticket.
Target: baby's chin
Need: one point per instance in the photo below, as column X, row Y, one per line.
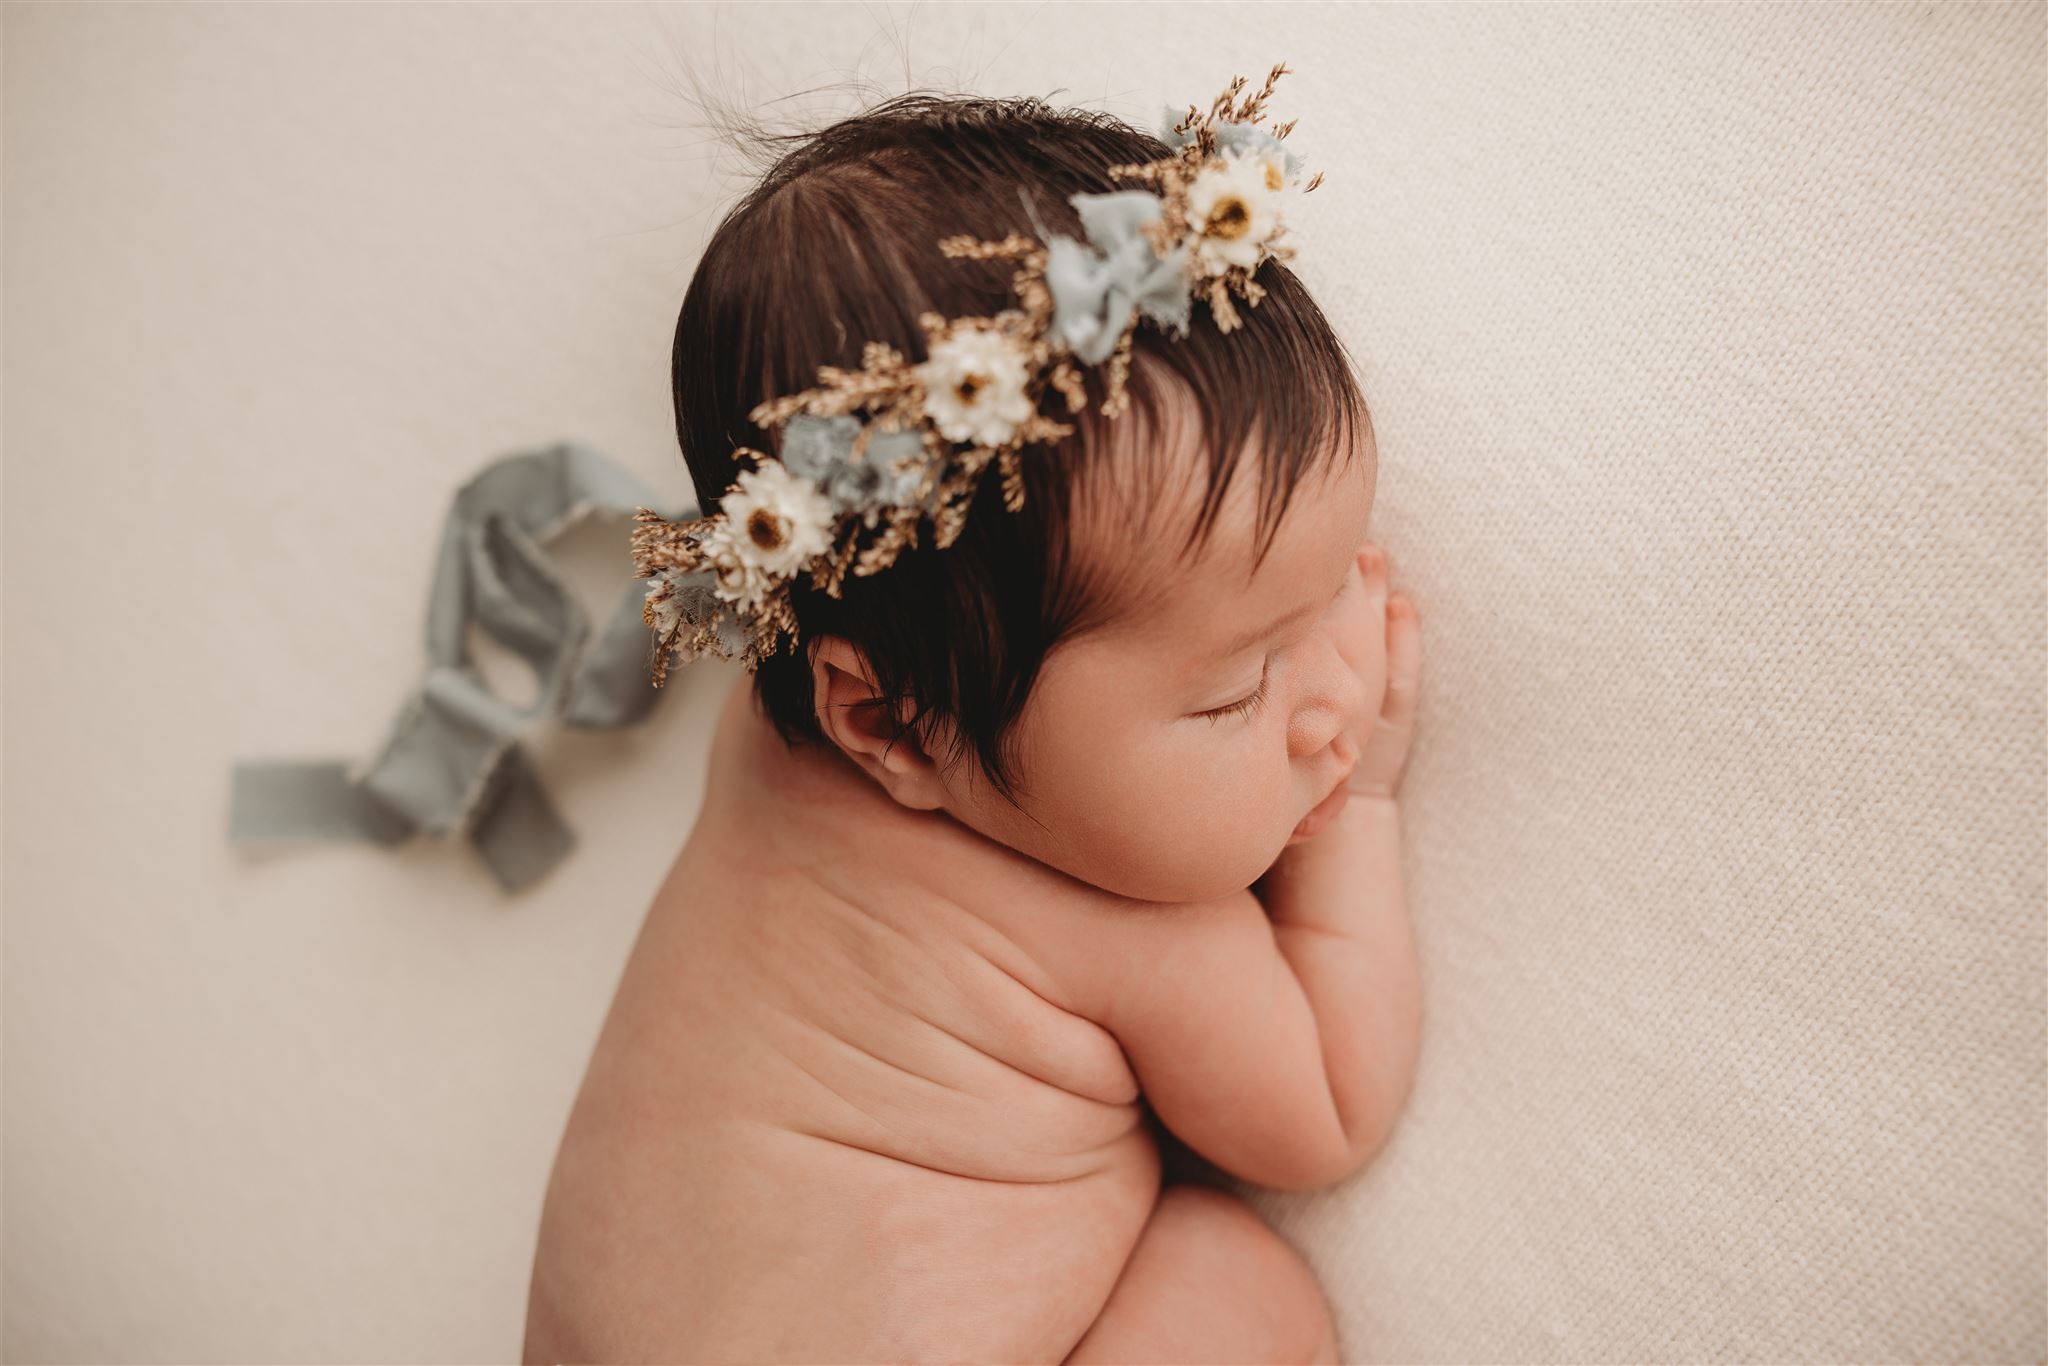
column 1143, row 875
column 1170, row 864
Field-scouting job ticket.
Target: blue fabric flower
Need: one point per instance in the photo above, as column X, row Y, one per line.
column 1241, row 138
column 1097, row 286
column 819, row 449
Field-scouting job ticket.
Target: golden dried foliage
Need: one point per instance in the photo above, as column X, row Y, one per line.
column 1013, row 481
column 890, row 391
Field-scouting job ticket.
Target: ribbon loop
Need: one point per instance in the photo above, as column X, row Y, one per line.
column 452, row 765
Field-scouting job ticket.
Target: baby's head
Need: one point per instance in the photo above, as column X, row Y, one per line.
column 1141, row 677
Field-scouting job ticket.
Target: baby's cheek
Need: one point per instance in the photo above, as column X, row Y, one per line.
column 1203, row 793
column 1183, row 812
column 1225, row 804
column 1254, row 795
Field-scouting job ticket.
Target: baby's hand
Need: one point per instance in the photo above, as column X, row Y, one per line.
column 1382, row 738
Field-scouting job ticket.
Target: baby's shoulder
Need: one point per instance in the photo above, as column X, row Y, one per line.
column 1079, row 945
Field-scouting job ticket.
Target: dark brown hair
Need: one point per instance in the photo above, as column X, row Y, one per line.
column 836, row 246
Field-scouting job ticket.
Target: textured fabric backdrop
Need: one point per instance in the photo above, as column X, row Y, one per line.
column 1705, row 345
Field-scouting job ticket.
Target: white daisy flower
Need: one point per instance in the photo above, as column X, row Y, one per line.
column 777, row 520
column 974, row 387
column 1235, row 207
column 739, row 582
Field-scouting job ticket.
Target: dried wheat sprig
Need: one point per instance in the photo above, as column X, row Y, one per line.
column 1013, row 480
column 889, row 389
column 1067, row 380
column 659, row 544
column 1119, row 366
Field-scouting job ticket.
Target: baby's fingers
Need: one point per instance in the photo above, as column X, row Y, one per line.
column 1385, row 758
column 1404, row 662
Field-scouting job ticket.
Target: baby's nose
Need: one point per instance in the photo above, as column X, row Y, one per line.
column 1352, row 695
column 1339, row 707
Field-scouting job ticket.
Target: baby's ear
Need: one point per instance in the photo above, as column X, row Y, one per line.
column 855, row 716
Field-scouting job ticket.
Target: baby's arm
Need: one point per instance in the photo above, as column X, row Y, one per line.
column 1278, row 1040
column 1340, row 910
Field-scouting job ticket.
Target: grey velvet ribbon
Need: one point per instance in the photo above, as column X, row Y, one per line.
column 452, row 766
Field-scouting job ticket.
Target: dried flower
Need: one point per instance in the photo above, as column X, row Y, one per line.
column 1098, row 286
column 974, row 386
column 886, row 475
column 775, row 521
column 1215, row 212
column 1234, row 207
column 738, row 581
column 1247, row 138
column 669, row 599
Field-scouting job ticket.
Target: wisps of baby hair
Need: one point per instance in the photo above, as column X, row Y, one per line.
column 849, row 494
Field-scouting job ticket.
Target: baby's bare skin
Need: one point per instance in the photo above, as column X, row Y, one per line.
column 841, row 1110
column 869, row 1090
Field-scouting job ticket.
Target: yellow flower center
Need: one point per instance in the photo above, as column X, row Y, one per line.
column 1229, row 219
column 765, row 529
column 969, row 386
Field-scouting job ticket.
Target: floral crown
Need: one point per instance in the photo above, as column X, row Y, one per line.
column 848, row 494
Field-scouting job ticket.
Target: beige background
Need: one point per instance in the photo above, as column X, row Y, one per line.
column 1705, row 345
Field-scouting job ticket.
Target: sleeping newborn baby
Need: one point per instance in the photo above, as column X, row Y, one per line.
column 1082, row 824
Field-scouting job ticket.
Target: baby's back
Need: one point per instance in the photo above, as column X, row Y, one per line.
column 840, row 1109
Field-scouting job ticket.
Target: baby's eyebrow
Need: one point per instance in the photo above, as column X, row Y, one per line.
column 1252, row 635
